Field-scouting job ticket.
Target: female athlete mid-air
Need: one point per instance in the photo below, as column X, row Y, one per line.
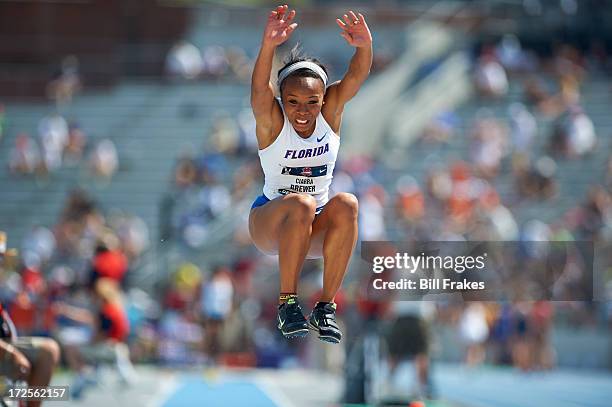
column 299, row 136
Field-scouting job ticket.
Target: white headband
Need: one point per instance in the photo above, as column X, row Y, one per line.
column 301, row 65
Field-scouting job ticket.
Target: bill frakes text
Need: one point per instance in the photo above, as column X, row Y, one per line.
column 440, row 284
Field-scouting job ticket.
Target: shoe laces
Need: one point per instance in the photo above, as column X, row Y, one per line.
column 327, row 313
column 292, row 308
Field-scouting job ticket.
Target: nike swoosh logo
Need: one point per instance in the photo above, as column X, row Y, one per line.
column 321, row 139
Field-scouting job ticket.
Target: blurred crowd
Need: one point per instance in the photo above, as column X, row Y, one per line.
column 206, row 183
column 187, row 61
column 73, row 281
column 62, row 144
column 68, row 283
column 529, row 121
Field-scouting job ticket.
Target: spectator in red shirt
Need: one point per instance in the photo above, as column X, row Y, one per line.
column 108, row 343
column 114, row 325
column 109, row 261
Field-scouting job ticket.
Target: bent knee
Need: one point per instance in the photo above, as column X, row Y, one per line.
column 300, row 208
column 50, row 351
column 345, row 205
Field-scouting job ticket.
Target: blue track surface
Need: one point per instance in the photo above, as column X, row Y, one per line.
column 195, row 391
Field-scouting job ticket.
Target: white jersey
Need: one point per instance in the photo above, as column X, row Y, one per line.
column 300, row 165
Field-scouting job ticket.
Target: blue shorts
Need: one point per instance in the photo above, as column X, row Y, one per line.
column 261, row 200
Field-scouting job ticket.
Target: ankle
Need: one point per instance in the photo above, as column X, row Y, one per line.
column 283, row 298
column 322, row 304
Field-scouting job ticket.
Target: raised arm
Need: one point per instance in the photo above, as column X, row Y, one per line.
column 268, row 115
column 356, row 32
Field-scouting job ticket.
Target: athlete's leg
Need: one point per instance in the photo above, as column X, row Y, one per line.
column 284, row 226
column 44, row 355
column 334, row 234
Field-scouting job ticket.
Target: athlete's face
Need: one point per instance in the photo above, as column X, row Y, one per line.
column 303, row 100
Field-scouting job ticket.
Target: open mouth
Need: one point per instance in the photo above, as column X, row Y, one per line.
column 301, row 122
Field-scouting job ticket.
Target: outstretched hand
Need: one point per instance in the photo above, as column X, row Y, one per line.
column 279, row 26
column 355, row 30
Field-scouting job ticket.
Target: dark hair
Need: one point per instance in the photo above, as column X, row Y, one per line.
column 297, row 55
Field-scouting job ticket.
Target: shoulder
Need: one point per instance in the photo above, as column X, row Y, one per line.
column 268, row 131
column 332, row 110
column 278, row 135
column 325, row 125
